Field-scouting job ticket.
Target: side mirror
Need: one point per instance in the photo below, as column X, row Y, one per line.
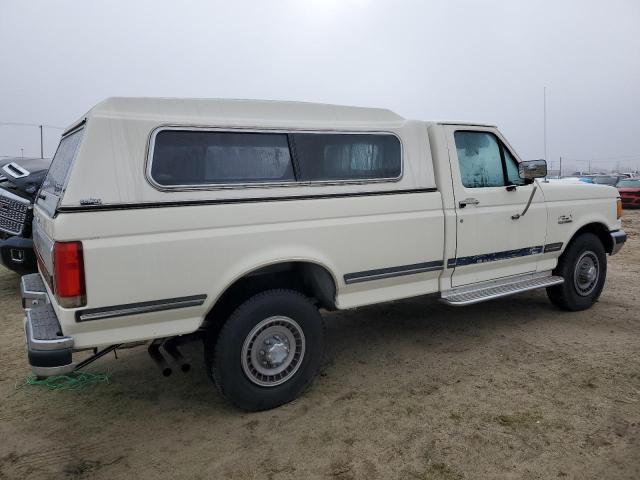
column 532, row 169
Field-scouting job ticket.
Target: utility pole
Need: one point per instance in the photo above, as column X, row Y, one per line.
column 544, row 114
column 21, row 152
column 41, row 145
column 560, row 170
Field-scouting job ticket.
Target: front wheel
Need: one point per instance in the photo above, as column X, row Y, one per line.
column 584, row 269
column 268, row 351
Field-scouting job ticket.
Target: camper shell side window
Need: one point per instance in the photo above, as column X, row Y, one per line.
column 187, row 158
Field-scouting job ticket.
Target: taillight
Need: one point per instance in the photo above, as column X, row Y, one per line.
column 68, row 265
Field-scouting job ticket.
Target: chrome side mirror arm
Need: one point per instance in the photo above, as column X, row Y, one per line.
column 519, row 215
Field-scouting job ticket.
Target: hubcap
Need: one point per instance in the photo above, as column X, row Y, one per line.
column 586, row 274
column 273, row 351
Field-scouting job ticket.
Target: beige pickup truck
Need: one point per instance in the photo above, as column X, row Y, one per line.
column 237, row 222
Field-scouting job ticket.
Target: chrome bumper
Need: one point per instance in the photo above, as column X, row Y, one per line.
column 617, row 238
column 48, row 350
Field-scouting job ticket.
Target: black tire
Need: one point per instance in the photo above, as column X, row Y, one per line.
column 229, row 354
column 577, row 293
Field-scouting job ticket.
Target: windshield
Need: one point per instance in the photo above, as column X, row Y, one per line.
column 629, row 184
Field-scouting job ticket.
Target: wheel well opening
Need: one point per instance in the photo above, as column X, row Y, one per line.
column 600, row 231
column 311, row 279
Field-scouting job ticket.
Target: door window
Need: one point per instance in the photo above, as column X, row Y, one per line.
column 513, row 177
column 484, row 161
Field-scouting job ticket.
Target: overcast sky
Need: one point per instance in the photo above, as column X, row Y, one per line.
column 434, row 60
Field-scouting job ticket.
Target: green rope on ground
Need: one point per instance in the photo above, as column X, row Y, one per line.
column 71, row 381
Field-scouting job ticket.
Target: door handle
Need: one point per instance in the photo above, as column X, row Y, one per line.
column 468, row 201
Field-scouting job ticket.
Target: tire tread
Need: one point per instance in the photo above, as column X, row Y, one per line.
column 563, row 296
column 214, row 346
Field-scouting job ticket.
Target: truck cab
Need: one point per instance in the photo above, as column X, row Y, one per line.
column 506, row 225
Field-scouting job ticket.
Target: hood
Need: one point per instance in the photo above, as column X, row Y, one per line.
column 29, row 164
column 560, row 191
column 23, row 176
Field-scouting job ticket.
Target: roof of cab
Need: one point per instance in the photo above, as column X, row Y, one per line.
column 225, row 112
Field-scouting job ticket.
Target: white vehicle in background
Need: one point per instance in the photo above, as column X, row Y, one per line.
column 565, row 180
column 236, row 221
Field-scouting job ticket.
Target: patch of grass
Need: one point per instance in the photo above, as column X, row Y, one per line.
column 342, row 470
column 350, row 441
column 347, row 396
column 84, row 468
column 80, row 468
column 251, row 425
column 441, row 471
column 521, row 419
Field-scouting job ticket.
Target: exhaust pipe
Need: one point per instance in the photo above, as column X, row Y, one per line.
column 174, row 353
column 158, row 358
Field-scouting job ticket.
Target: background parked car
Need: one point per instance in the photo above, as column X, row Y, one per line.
column 629, row 192
column 20, row 180
column 611, row 180
column 571, row 180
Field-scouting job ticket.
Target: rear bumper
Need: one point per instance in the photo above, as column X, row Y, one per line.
column 618, row 238
column 33, row 291
column 48, row 350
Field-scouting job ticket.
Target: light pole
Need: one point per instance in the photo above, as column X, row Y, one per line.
column 560, row 170
column 41, row 127
column 544, row 114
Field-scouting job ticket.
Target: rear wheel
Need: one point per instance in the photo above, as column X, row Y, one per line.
column 584, row 269
column 268, row 351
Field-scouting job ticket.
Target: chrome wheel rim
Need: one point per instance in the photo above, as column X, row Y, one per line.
column 273, row 351
column 586, row 273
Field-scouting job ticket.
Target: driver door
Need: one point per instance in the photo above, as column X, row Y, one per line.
column 488, row 193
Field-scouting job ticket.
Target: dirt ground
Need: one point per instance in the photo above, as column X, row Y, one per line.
column 414, row 389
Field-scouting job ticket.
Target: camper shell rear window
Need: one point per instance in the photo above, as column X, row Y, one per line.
column 181, row 158
column 55, row 182
column 60, row 167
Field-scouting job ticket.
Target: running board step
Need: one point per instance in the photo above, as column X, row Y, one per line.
column 482, row 293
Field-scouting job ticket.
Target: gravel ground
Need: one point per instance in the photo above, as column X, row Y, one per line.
column 414, row 389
